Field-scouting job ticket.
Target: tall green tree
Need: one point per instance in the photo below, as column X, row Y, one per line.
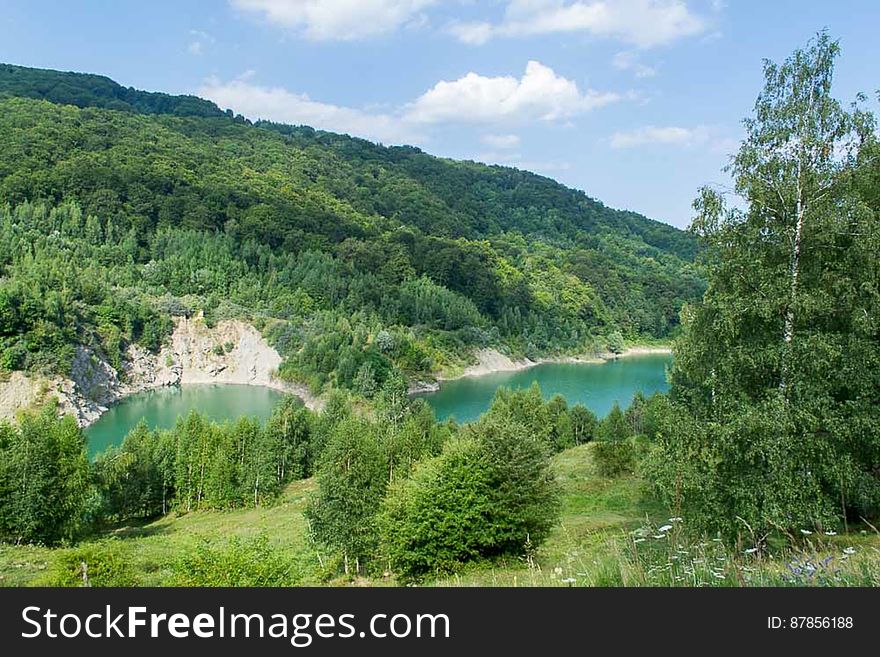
column 351, row 483
column 777, row 366
column 45, row 484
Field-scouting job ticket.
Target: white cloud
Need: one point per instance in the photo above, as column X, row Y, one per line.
column 668, row 135
column 501, row 142
column 628, row 60
column 325, row 20
column 642, row 23
column 281, row 105
column 516, row 160
column 473, row 33
column 197, row 45
column 540, row 95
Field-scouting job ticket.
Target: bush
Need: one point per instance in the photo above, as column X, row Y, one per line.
column 106, row 563
column 489, row 493
column 614, row 458
column 236, row 562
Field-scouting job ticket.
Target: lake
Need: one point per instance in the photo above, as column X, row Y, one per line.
column 595, row 385
column 161, row 408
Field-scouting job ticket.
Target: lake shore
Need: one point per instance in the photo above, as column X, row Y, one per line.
column 491, row 361
column 230, row 352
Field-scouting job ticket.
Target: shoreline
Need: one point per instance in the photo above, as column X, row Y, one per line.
column 309, row 400
column 231, row 352
column 492, row 361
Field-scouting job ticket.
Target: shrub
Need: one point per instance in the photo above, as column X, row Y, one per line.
column 236, row 562
column 489, row 493
column 107, row 563
column 614, row 458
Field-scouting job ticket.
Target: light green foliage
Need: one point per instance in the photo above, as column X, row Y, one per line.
column 46, row 494
column 235, row 562
column 351, row 483
column 777, row 373
column 323, row 240
column 104, row 563
column 489, row 493
column 616, row 344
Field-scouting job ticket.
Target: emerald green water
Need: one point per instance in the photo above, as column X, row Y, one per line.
column 160, row 409
column 596, row 386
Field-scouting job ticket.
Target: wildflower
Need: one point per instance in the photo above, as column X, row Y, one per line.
column 675, row 519
column 830, row 533
column 569, row 580
column 638, row 540
column 665, row 528
column 659, row 536
column 806, row 532
column 849, row 550
column 751, row 550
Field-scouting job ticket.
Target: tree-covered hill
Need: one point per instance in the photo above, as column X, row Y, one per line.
column 330, row 241
column 88, row 90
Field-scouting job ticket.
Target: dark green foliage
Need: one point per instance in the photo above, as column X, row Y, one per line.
column 776, row 377
column 63, row 286
column 614, row 458
column 86, row 90
column 203, row 465
column 351, row 483
column 614, row 427
column 236, row 562
column 489, row 493
column 137, row 478
column 583, row 424
column 338, row 239
column 613, row 450
column 46, row 494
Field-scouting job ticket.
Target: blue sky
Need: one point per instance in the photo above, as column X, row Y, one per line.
column 637, row 102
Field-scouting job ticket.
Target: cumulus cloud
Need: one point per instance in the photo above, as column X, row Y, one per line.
column 199, row 41
column 501, row 142
column 650, row 134
column 344, row 20
column 539, row 95
column 642, row 23
column 281, row 105
column 628, row 60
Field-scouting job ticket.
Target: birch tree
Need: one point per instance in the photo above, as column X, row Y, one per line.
column 775, row 375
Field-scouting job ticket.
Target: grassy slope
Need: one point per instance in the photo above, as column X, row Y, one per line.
column 589, row 545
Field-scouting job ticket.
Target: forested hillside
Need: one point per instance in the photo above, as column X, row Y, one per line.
column 123, row 208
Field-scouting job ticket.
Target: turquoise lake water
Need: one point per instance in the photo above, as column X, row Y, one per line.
column 596, row 386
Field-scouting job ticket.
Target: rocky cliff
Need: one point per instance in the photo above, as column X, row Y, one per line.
column 230, row 352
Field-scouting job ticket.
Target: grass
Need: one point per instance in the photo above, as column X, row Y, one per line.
column 610, row 534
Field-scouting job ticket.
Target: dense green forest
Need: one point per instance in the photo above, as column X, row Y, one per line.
column 354, row 258
column 761, row 466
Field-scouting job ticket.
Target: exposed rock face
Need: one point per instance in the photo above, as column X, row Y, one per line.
column 230, row 352
column 417, row 387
